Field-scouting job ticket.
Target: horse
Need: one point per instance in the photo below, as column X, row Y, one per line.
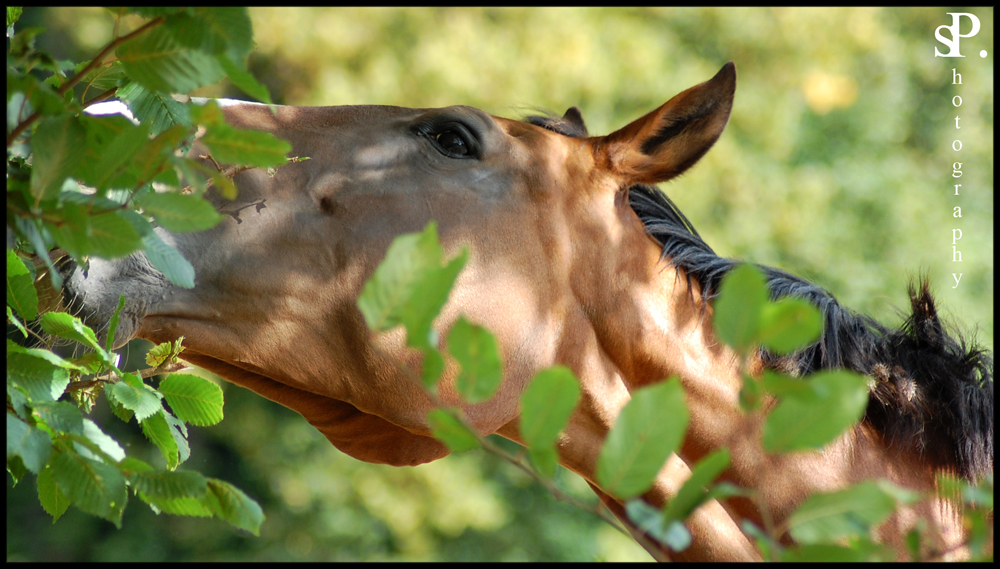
column 573, row 259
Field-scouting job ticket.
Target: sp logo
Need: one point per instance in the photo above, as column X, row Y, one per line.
column 956, row 34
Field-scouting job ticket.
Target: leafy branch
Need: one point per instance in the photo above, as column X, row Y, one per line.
column 81, row 186
column 72, row 81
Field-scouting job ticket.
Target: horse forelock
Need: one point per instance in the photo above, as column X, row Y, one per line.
column 565, row 126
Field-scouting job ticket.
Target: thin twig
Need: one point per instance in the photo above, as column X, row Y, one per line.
column 102, row 97
column 162, row 368
column 600, row 511
column 113, row 377
column 209, row 157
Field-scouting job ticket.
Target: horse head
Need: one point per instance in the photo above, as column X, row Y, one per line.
column 274, row 306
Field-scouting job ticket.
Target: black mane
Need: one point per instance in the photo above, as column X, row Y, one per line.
column 931, row 391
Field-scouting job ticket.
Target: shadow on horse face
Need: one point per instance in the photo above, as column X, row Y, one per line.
column 561, row 269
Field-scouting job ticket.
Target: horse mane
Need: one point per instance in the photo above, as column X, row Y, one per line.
column 931, row 391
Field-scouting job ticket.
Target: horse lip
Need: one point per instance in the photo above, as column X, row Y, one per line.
column 93, row 294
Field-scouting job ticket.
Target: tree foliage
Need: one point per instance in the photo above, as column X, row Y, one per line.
column 82, row 185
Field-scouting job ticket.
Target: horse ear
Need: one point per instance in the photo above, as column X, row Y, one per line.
column 574, row 118
column 669, row 140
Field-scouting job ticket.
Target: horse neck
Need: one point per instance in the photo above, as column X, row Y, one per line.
column 651, row 325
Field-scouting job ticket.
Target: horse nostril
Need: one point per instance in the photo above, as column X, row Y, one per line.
column 330, row 206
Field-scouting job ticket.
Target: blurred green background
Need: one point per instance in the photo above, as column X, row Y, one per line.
column 836, row 165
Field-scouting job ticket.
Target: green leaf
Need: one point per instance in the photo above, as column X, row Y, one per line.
column 164, row 352
column 131, row 466
column 981, row 494
column 90, row 362
column 810, row 419
column 33, row 445
column 17, row 401
column 56, row 146
column 23, row 43
column 179, row 431
column 156, row 429
column 107, row 444
column 136, row 396
column 902, row 495
column 824, row 553
column 219, row 30
column 433, row 367
column 695, row 490
column 452, row 432
column 44, row 354
column 208, row 114
column 158, row 62
column 650, row 520
column 829, row 517
column 113, row 324
column 104, row 78
column 94, row 487
column 649, row 428
column 165, row 485
column 159, row 110
column 476, row 351
column 61, row 416
column 35, row 377
column 106, row 235
column 224, row 186
column 42, row 98
column 789, row 324
column 783, row 386
column 546, row 406
column 53, row 500
column 13, row 13
column 111, row 236
column 545, row 459
column 230, row 145
column 194, row 399
column 33, row 230
column 429, row 294
column 16, row 470
column 737, row 311
column 21, row 293
column 117, row 408
column 180, row 212
column 769, row 548
column 230, row 504
column 168, row 261
column 244, row 81
column 231, row 30
column 116, row 156
column 72, row 328
column 409, row 287
column 192, row 507
column 11, row 319
column 752, row 393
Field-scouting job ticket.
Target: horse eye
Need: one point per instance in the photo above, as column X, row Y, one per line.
column 452, row 143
